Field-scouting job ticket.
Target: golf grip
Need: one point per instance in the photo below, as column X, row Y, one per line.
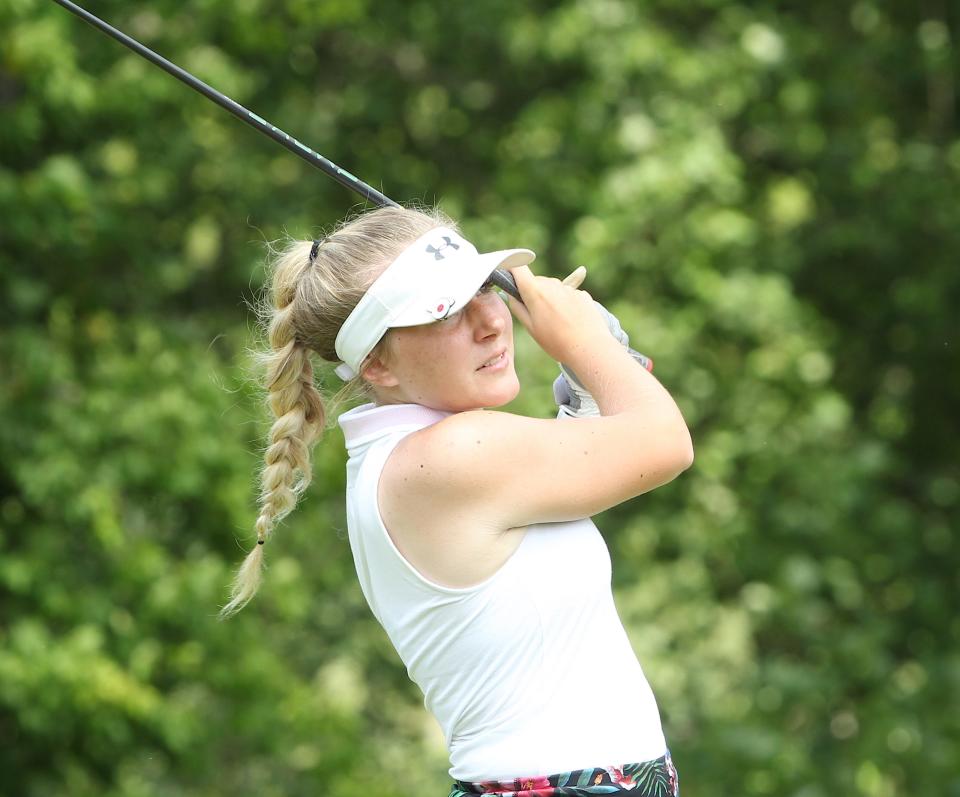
column 500, row 277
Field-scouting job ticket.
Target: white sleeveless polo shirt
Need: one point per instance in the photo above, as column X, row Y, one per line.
column 528, row 673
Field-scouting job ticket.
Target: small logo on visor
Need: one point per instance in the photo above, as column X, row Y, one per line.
column 437, row 251
column 441, row 309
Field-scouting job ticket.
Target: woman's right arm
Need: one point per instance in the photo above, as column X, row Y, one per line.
column 514, row 471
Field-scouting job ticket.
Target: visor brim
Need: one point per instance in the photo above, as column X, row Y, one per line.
column 449, row 289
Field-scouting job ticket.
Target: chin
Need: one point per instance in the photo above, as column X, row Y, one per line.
column 488, row 397
column 474, row 394
column 504, row 394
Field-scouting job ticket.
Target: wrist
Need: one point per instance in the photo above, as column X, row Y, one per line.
column 589, row 350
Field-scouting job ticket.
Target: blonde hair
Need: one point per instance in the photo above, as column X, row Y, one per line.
column 305, row 303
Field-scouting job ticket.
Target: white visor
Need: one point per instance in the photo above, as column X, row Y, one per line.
column 438, row 274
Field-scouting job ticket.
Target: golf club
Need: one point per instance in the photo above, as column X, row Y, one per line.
column 500, row 277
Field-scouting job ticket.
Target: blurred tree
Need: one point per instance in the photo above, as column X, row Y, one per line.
column 766, row 196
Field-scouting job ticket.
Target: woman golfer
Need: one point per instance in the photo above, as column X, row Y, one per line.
column 470, row 529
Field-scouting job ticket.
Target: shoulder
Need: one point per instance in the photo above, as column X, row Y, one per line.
column 460, row 463
column 494, row 465
column 466, row 440
column 458, row 443
column 462, row 425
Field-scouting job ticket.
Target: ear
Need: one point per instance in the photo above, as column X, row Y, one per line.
column 377, row 372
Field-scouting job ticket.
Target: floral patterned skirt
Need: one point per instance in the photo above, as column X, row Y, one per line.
column 657, row 778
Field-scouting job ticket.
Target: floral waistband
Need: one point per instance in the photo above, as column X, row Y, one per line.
column 657, row 778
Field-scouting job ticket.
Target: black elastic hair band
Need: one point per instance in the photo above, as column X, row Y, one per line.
column 314, row 249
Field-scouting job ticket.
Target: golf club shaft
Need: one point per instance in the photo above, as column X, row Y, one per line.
column 340, row 175
column 502, row 279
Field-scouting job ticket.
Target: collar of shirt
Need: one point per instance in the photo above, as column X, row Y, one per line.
column 368, row 421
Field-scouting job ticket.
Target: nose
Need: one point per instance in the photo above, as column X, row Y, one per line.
column 487, row 314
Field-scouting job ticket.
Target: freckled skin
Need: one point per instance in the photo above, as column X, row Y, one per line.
column 438, row 365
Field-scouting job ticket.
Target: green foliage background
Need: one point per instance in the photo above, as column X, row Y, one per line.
column 766, row 194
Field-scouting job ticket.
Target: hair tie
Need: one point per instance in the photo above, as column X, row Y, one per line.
column 314, row 249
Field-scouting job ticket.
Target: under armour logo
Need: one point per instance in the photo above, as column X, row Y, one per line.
column 437, row 252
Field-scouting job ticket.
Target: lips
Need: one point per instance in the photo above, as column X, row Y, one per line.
column 498, row 359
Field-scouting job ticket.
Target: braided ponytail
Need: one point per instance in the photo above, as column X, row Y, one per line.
column 298, row 409
column 312, row 290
